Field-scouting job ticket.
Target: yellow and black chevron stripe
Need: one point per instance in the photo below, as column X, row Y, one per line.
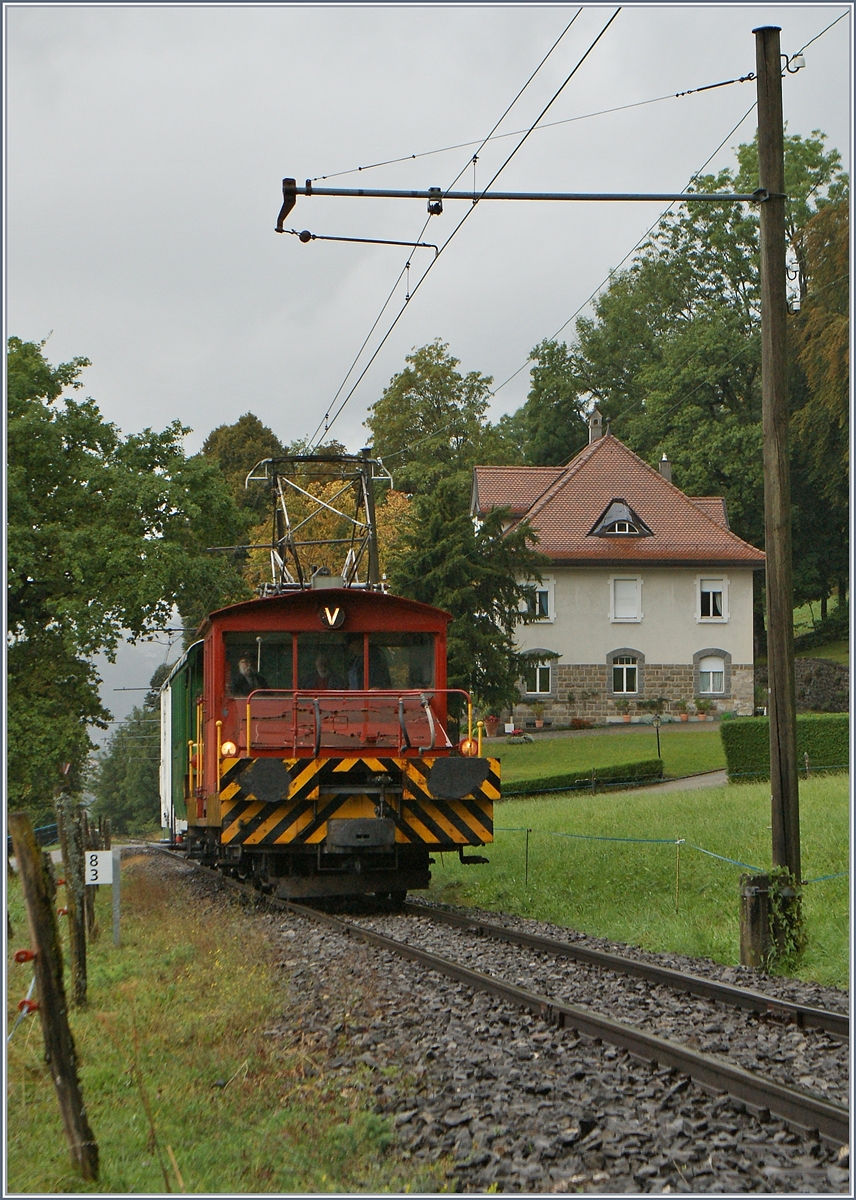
column 433, row 820
column 321, row 788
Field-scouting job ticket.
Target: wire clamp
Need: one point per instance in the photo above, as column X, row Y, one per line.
column 28, row 1006
column 22, row 956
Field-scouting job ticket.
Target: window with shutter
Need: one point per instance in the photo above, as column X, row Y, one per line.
column 625, row 599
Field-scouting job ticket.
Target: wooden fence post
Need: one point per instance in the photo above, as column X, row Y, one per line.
column 91, row 841
column 755, row 942
column 47, row 965
column 71, row 840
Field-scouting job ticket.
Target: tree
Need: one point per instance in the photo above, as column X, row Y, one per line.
column 478, row 575
column 430, row 422
column 125, row 781
column 551, row 426
column 430, row 428
column 52, row 699
column 820, row 423
column 813, row 179
column 236, row 449
column 672, row 353
column 105, row 535
column 394, row 521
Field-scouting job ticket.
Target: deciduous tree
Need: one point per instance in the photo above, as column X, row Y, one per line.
column 672, row 353
column 125, row 781
column 106, row 534
column 430, row 422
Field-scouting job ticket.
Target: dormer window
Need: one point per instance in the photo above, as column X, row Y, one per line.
column 619, row 520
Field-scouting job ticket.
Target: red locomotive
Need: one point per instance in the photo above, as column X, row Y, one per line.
column 305, row 737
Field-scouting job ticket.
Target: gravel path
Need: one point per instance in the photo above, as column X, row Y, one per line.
column 509, row 1103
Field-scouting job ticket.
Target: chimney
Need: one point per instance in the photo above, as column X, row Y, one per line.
column 595, row 423
column 666, row 468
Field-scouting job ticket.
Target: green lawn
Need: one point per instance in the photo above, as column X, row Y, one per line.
column 626, row 890
column 684, row 752
column 806, row 617
column 838, row 652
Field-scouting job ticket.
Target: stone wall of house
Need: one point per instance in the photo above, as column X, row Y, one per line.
column 580, row 690
column 742, row 690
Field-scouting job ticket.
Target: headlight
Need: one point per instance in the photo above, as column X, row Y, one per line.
column 228, row 750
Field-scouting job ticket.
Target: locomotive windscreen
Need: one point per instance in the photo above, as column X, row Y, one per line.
column 332, row 661
column 335, row 661
column 257, row 661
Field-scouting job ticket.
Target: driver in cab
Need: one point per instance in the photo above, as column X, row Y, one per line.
column 247, row 678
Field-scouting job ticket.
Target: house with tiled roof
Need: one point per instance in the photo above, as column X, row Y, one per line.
column 648, row 593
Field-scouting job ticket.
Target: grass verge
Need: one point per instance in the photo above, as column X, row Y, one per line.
column 625, row 891
column 837, row 652
column 684, row 752
column 174, row 1028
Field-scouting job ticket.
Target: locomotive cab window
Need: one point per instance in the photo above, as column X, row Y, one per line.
column 342, row 661
column 329, row 661
column 257, row 661
column 408, row 659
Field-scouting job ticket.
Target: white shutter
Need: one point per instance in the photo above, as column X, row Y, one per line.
column 625, row 605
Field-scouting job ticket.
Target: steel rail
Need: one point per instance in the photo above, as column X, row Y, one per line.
column 805, row 1016
column 799, row 1108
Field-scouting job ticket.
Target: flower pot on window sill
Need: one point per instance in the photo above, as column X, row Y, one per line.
column 539, row 724
column 626, row 717
column 684, row 716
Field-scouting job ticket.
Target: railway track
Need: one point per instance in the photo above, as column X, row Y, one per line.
column 799, row 1108
column 804, row 1016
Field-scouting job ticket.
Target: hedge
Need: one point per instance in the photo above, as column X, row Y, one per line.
column 638, row 772
column 824, row 737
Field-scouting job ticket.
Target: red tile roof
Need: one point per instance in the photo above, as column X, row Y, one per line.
column 516, row 488
column 714, row 506
column 564, row 503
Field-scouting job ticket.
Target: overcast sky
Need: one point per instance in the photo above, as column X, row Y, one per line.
column 145, row 148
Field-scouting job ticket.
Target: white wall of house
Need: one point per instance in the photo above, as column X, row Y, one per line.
column 591, row 613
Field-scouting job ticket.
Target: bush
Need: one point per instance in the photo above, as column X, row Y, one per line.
column 638, row 772
column 824, row 737
column 581, row 723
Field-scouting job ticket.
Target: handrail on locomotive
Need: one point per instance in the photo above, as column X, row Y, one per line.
column 382, row 712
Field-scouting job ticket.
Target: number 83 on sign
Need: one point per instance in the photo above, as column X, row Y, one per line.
column 99, row 866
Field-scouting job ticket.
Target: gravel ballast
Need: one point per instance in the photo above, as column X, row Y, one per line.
column 510, row 1104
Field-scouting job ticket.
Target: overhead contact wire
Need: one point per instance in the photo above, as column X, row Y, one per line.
column 632, row 250
column 326, row 420
column 388, row 162
column 601, row 112
column 651, row 229
column 466, row 215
